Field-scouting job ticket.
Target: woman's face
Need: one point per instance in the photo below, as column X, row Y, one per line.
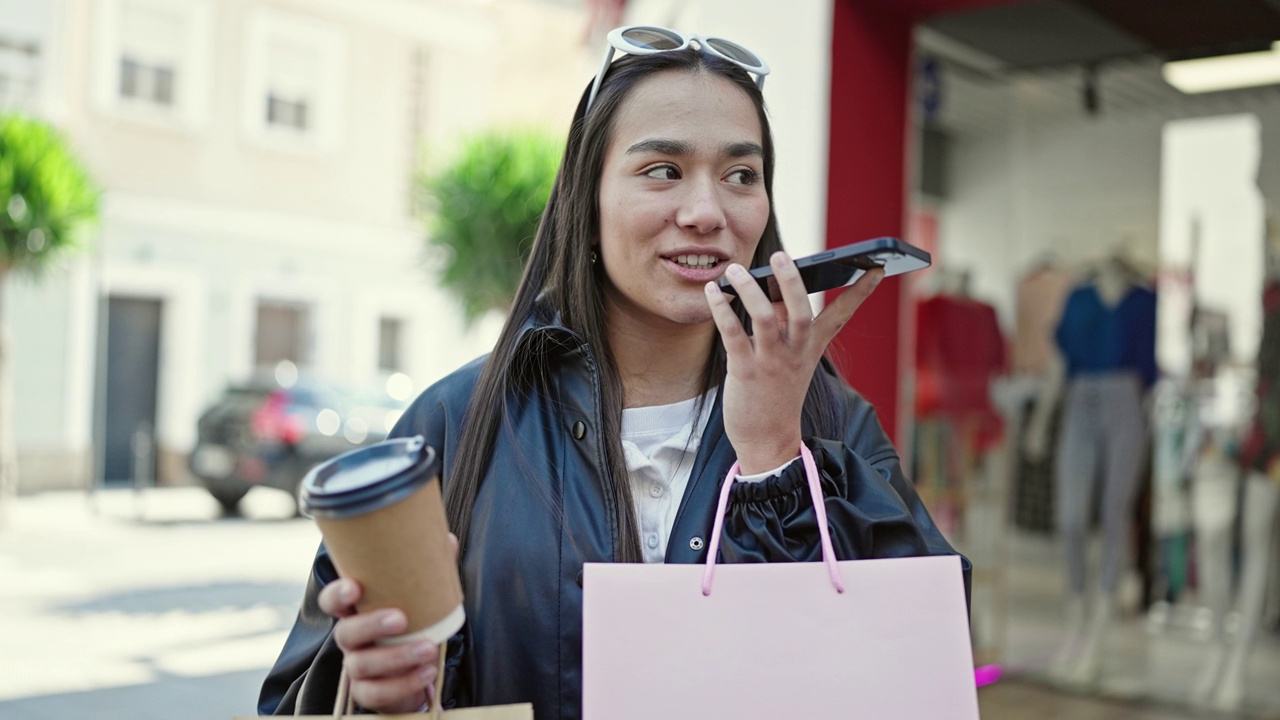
column 681, row 195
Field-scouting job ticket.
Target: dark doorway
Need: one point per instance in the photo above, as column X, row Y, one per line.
column 127, row 431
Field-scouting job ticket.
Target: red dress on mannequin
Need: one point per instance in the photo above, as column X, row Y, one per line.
column 959, row 351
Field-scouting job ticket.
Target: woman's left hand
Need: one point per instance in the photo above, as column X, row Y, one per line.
column 768, row 372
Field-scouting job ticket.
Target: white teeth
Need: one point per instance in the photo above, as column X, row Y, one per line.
column 696, row 261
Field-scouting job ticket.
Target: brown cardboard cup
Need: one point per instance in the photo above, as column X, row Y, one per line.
column 382, row 517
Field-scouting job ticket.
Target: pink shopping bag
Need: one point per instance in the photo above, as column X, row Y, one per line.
column 882, row 639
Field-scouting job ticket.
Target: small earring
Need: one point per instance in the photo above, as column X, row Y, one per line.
column 594, row 258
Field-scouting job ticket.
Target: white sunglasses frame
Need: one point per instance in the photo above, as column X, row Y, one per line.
column 619, row 43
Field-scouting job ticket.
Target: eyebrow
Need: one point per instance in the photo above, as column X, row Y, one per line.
column 742, row 149
column 662, row 147
column 679, row 147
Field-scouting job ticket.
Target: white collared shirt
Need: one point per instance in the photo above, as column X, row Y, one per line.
column 660, row 445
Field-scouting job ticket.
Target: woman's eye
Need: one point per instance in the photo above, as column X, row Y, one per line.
column 744, row 176
column 663, row 172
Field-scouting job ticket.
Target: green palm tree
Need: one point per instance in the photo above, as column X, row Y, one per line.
column 46, row 198
column 482, row 211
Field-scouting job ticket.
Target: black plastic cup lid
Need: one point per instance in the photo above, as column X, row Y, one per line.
column 368, row 478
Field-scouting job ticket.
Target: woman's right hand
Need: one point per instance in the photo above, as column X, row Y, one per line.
column 396, row 678
column 399, row 678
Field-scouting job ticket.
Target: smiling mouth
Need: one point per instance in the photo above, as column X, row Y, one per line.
column 698, row 262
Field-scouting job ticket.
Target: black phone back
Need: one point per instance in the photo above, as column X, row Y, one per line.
column 842, row 266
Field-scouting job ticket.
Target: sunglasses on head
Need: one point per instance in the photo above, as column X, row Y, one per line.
column 649, row 39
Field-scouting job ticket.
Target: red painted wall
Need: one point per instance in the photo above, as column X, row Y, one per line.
column 866, row 184
column 871, row 44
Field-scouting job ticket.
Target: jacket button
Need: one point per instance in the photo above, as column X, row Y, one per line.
column 695, row 543
column 579, row 578
column 579, row 430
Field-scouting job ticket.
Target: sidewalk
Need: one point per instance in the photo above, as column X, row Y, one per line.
column 145, row 606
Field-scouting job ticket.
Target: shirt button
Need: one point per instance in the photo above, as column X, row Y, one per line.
column 655, row 490
column 652, row 542
column 695, row 543
column 579, row 430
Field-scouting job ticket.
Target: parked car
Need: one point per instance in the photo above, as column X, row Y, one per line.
column 270, row 433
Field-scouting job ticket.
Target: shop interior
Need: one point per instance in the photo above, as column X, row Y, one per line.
column 1097, row 346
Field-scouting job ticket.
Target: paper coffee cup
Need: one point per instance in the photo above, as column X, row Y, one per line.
column 380, row 511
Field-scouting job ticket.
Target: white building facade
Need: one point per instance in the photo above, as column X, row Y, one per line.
column 256, row 158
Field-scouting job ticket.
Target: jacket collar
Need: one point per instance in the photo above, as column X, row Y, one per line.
column 543, row 333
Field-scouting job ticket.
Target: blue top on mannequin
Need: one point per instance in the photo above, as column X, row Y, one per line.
column 1097, row 338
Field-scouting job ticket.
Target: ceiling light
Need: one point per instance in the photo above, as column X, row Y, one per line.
column 1225, row 72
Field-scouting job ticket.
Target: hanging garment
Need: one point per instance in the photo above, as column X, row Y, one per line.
column 959, row 350
column 1033, row 505
column 1041, row 296
column 1261, row 445
column 1097, row 338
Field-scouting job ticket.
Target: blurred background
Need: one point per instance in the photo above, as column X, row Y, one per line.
column 239, row 236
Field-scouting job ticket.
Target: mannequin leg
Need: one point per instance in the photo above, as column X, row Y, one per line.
column 1126, row 447
column 1126, row 442
column 1073, row 492
column 1213, row 505
column 1064, row 658
column 1262, row 497
column 1073, row 496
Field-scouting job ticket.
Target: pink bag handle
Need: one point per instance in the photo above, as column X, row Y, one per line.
column 819, row 508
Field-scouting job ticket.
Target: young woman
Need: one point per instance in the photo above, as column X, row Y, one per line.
column 621, row 391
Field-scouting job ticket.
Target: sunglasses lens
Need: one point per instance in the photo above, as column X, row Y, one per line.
column 734, row 51
column 651, row 38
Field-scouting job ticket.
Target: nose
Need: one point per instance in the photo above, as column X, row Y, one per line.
column 700, row 208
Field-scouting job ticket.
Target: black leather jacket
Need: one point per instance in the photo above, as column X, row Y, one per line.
column 540, row 514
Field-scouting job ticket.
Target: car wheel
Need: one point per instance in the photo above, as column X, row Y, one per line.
column 229, row 498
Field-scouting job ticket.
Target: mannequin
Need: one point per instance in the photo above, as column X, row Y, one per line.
column 1041, row 292
column 1221, row 683
column 1107, row 339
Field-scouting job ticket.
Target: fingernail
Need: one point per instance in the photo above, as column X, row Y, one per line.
column 346, row 593
column 422, row 650
column 711, row 289
column 736, row 270
column 392, row 621
column 779, row 259
column 431, row 694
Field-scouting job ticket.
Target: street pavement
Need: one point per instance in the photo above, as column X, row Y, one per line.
column 146, row 605
column 149, row 606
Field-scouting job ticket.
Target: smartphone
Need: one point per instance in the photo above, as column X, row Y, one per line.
column 842, row 266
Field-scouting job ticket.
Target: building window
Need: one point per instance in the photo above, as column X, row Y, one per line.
column 293, row 82
column 153, row 83
column 390, row 332
column 294, row 79
column 287, row 113
column 19, row 71
column 155, row 60
column 151, row 49
column 283, row 333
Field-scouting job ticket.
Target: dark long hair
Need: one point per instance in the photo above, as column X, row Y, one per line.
column 560, row 274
